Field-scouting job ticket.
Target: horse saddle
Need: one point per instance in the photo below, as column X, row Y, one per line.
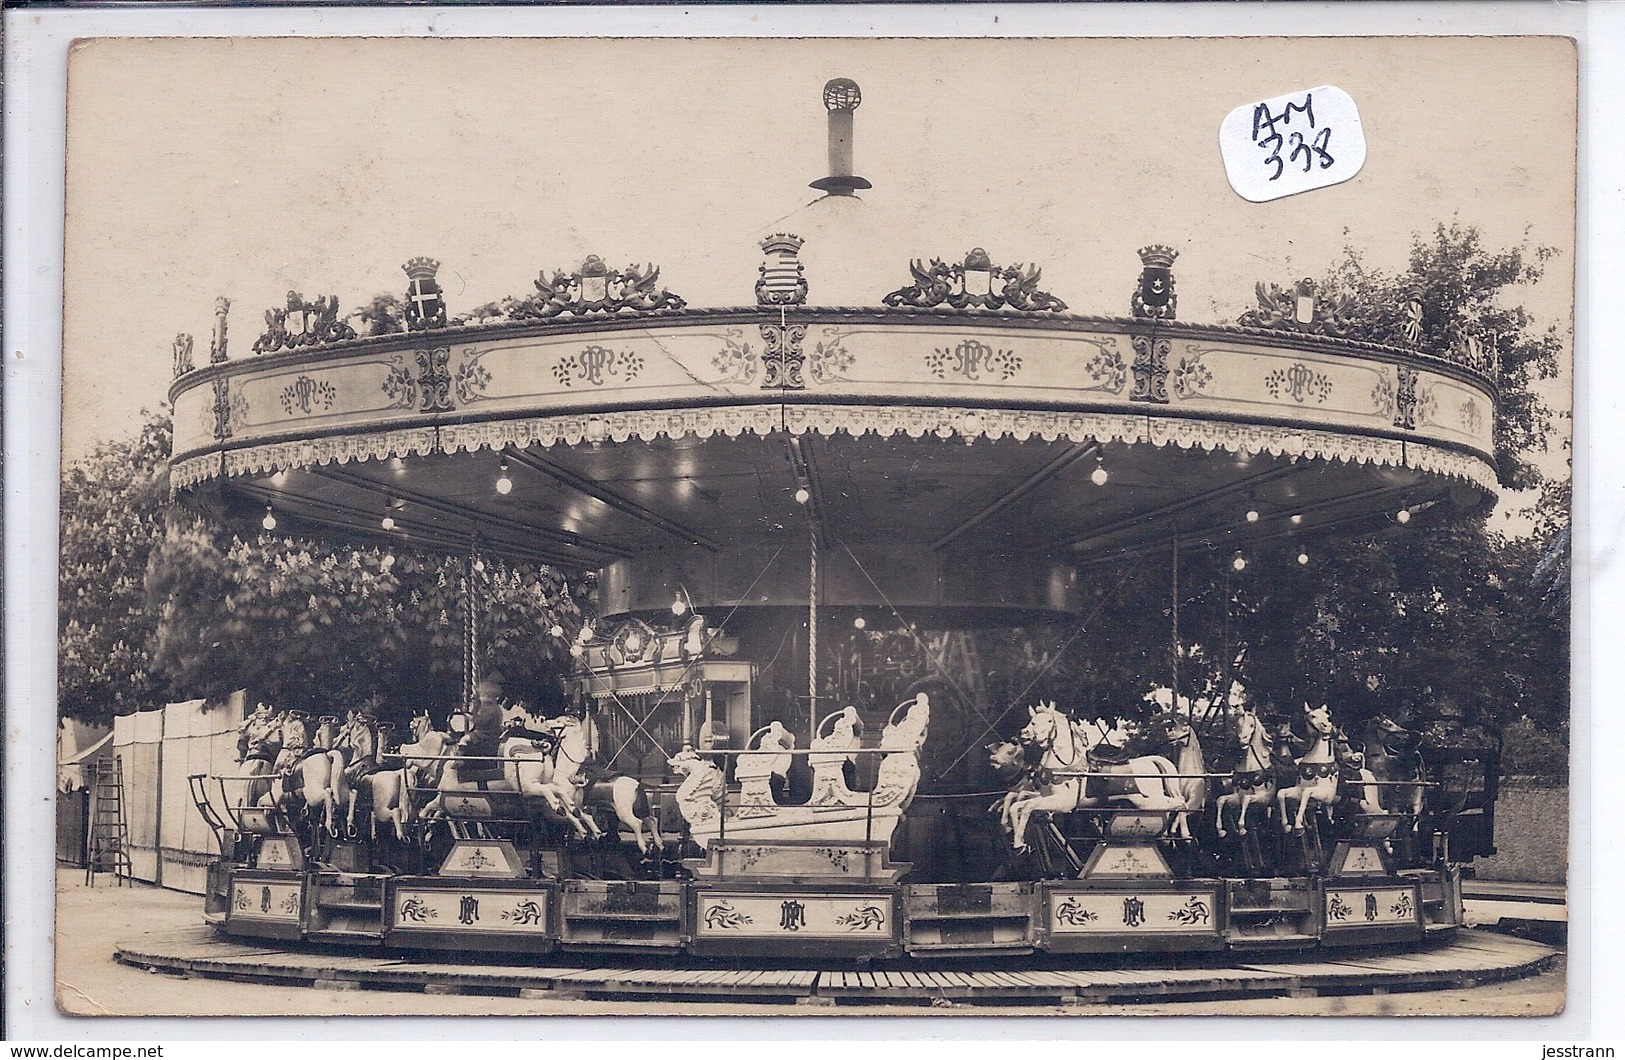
column 1105, row 754
column 1249, row 780
column 478, row 771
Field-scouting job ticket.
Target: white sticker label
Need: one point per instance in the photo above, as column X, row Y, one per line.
column 1297, row 142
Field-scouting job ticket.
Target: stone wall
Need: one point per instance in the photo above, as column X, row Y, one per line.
column 1531, row 836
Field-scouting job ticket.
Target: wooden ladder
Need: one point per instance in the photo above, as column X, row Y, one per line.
column 107, row 842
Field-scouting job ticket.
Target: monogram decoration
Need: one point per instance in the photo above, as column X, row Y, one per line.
column 301, row 323
column 1300, row 383
column 306, row 395
column 975, row 284
column 1150, row 369
column 597, row 288
column 970, row 359
column 782, row 356
column 596, row 364
column 1405, row 399
column 434, row 378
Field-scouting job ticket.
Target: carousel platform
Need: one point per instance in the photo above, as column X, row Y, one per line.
column 1467, row 958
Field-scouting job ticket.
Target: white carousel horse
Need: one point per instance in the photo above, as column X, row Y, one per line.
column 1317, row 771
column 1253, row 781
column 259, row 743
column 326, row 739
column 1393, row 755
column 307, row 776
column 1174, row 731
column 1356, row 778
column 617, row 792
column 1066, row 748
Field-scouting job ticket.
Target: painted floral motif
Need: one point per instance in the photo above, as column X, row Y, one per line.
column 1471, row 418
column 1194, row 911
column 837, row 857
column 417, row 911
column 1071, row 913
column 1427, row 403
column 596, row 364
column 1191, row 377
column 829, row 360
column 724, row 916
column 1382, row 396
column 1337, row 909
column 528, row 911
column 290, row 903
column 1300, row 383
column 864, row 918
column 237, row 404
column 1108, row 369
column 970, row 359
column 307, row 395
column 471, row 379
column 1403, row 907
column 399, row 386
column 735, row 361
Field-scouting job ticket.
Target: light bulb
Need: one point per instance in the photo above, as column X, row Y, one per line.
column 387, row 562
column 1296, row 519
column 387, row 522
column 679, row 606
column 504, row 485
column 575, row 650
column 802, row 496
column 586, row 632
column 1239, row 563
column 479, row 566
column 557, row 630
column 859, row 622
column 1099, row 476
column 1303, row 559
column 1252, row 516
column 1404, row 515
column 269, row 522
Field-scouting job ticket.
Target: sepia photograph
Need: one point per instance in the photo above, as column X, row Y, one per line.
column 816, row 527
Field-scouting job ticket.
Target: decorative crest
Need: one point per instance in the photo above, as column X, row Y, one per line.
column 598, row 288
column 183, row 354
column 1299, row 307
column 1154, row 298
column 782, row 281
column 425, row 302
column 302, row 324
column 976, row 284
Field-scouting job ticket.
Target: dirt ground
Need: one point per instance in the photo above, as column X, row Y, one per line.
column 90, row 983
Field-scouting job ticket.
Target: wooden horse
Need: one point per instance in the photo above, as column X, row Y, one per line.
column 1170, row 732
column 1065, row 749
column 386, row 789
column 1393, row 755
column 1253, row 782
column 1358, row 782
column 621, row 794
column 1009, row 761
column 307, row 777
column 259, row 744
column 1317, row 771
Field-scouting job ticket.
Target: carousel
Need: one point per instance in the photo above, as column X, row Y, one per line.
column 750, row 484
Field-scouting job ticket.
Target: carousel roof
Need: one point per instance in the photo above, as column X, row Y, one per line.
column 963, row 441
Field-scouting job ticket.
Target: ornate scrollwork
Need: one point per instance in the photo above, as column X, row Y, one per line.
column 222, row 408
column 434, row 378
column 782, row 356
column 597, row 288
column 1150, row 369
column 301, row 323
column 975, row 284
column 1299, row 307
column 1405, row 399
